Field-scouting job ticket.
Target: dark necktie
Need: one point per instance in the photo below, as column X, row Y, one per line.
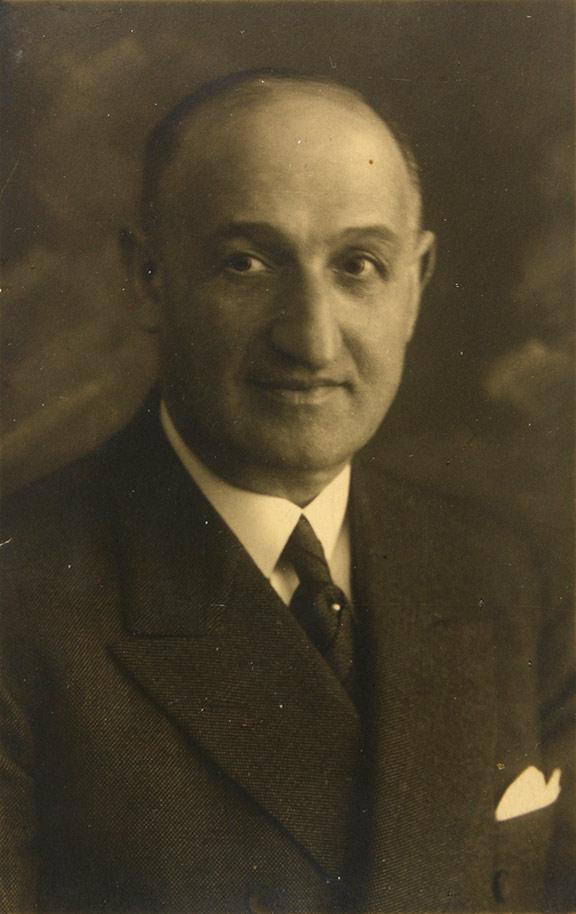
column 321, row 608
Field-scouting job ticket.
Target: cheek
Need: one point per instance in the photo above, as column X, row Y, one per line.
column 206, row 325
column 379, row 346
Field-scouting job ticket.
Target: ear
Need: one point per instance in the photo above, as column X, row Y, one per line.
column 143, row 281
column 423, row 266
column 427, row 248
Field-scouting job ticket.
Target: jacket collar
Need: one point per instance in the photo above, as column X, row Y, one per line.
column 218, row 652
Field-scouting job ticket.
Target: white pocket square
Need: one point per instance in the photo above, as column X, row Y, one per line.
column 527, row 793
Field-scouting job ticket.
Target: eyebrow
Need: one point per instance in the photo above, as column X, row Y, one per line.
column 255, row 230
column 265, row 232
column 379, row 232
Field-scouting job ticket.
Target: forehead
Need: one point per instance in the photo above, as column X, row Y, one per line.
column 315, row 153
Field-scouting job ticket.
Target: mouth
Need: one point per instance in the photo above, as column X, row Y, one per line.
column 300, row 391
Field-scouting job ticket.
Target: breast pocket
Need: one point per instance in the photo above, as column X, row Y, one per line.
column 521, row 854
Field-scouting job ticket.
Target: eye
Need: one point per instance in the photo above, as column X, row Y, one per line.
column 241, row 263
column 360, row 265
column 357, row 266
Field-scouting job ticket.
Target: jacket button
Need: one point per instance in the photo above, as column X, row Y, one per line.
column 501, row 885
column 262, row 901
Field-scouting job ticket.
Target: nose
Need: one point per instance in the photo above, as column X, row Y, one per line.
column 306, row 327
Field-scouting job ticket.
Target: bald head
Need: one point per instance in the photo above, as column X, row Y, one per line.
column 252, row 108
column 283, row 271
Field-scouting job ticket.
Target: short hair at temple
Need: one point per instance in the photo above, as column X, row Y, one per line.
column 242, row 88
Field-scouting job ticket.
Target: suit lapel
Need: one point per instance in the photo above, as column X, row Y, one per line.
column 216, row 651
column 432, row 732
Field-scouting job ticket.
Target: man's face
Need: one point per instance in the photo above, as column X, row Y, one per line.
column 288, row 274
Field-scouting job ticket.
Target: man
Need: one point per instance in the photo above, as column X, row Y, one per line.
column 239, row 677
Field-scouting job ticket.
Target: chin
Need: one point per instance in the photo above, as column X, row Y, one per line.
column 301, row 456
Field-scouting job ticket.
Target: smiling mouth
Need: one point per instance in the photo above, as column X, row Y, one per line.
column 299, row 391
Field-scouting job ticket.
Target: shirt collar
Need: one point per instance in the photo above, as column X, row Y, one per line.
column 263, row 523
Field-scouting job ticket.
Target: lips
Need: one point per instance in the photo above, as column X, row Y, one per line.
column 298, row 391
column 296, row 383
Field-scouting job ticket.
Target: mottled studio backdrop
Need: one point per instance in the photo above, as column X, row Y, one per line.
column 485, row 90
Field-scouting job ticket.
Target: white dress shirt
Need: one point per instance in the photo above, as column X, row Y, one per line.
column 263, row 523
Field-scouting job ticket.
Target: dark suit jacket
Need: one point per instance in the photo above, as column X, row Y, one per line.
column 172, row 742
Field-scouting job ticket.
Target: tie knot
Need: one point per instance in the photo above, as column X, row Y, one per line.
column 304, row 551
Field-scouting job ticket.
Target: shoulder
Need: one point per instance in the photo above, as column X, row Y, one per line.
column 56, row 543
column 454, row 539
column 73, row 501
column 438, row 515
column 57, row 535
column 50, row 509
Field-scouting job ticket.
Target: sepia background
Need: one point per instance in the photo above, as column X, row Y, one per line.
column 484, row 90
